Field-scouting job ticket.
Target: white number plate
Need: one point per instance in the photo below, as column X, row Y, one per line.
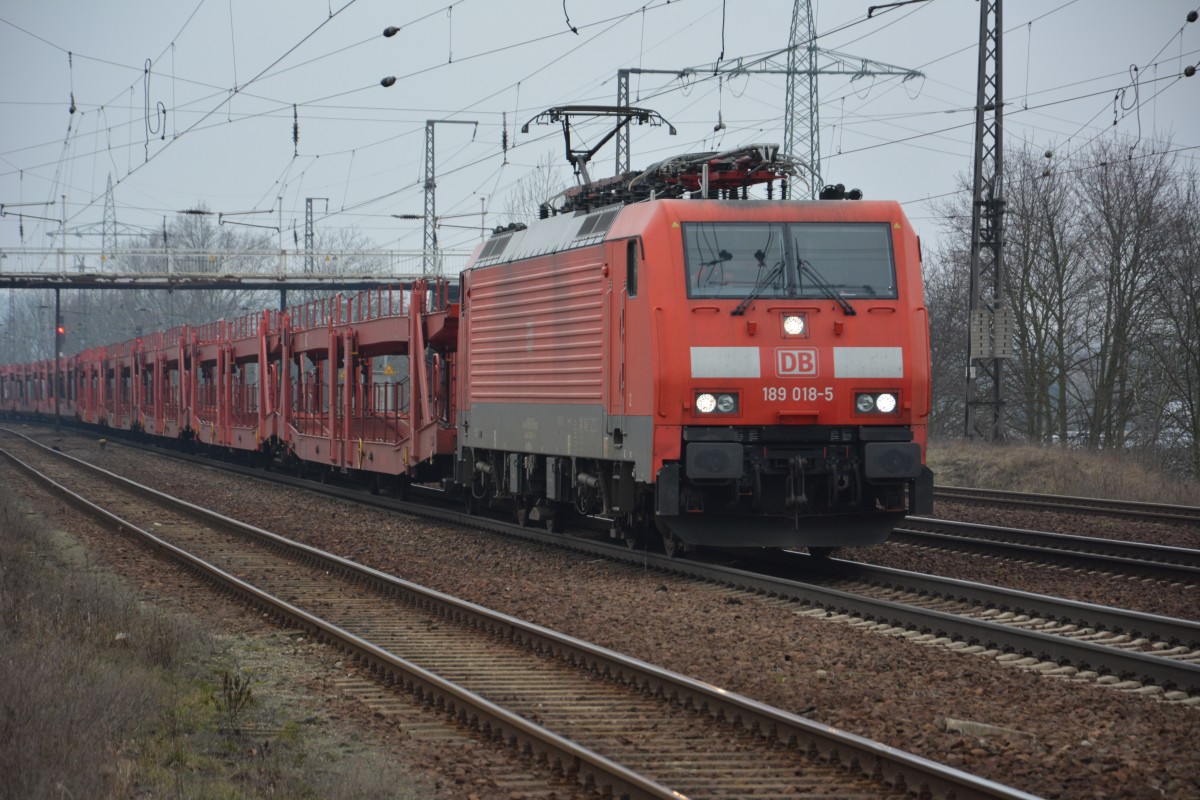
column 797, row 394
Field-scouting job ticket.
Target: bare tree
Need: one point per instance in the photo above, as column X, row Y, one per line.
column 1174, row 342
column 1043, row 259
column 544, row 181
column 1125, row 201
column 947, row 280
column 1104, row 286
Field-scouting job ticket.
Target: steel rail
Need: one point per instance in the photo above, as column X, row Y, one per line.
column 1052, row 502
column 1161, row 561
column 1088, row 615
column 882, row 762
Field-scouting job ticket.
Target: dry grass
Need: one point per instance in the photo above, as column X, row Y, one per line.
column 80, row 668
column 103, row 696
column 1053, row 470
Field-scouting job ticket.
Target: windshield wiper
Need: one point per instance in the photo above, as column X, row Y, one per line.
column 826, row 289
column 763, row 282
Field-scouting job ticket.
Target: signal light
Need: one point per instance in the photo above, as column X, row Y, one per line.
column 60, row 330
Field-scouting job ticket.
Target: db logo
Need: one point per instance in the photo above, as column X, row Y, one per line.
column 800, row 362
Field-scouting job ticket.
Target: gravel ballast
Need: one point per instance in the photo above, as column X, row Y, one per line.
column 1051, row 737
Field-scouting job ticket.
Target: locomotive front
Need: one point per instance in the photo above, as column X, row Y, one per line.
column 792, row 374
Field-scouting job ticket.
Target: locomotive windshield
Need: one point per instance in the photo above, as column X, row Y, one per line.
column 797, row 260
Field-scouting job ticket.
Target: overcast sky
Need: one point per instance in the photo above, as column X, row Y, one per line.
column 235, row 78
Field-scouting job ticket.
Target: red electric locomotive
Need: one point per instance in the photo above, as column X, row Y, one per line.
column 728, row 372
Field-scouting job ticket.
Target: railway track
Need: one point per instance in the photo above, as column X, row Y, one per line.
column 1092, row 505
column 1127, row 649
column 588, row 715
column 1172, row 564
column 1139, row 652
column 1170, row 646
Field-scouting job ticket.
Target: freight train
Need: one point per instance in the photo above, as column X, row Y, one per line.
column 657, row 352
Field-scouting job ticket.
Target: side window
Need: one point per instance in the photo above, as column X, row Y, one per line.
column 631, row 265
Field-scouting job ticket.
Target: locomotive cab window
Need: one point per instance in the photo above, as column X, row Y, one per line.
column 731, row 259
column 794, row 260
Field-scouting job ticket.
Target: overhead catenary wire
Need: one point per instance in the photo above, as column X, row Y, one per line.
column 853, row 118
column 150, row 157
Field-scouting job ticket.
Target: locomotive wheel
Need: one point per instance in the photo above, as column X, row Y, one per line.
column 672, row 546
column 822, row 552
column 470, row 504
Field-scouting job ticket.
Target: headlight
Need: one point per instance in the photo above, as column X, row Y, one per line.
column 794, row 325
column 720, row 403
column 881, row 403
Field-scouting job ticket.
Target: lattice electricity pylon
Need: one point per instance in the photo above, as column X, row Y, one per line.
column 801, row 115
column 310, row 233
column 991, row 332
column 801, row 136
column 108, row 239
column 431, row 263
